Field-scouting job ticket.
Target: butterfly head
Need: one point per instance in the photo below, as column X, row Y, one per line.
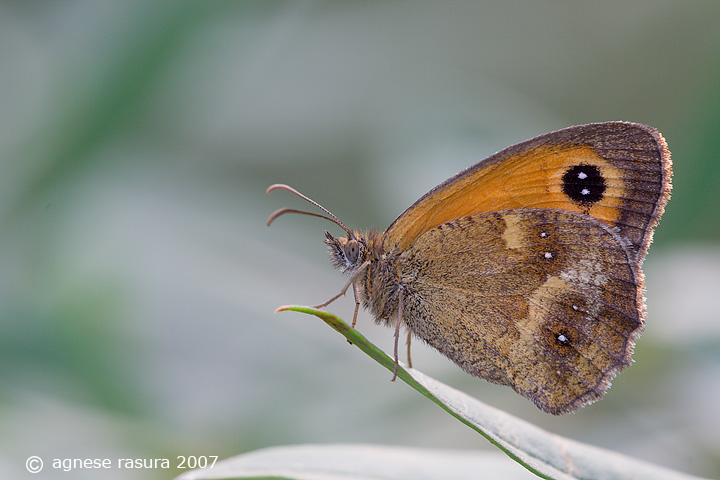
column 347, row 253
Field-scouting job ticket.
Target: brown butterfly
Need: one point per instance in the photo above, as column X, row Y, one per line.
column 523, row 269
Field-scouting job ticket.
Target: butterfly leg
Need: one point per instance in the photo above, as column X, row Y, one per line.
column 347, row 285
column 409, row 337
column 397, row 335
column 357, row 305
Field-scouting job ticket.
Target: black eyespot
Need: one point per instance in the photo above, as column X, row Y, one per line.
column 584, row 183
column 561, row 337
column 352, row 250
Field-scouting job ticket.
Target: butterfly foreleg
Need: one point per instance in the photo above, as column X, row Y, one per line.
column 351, row 281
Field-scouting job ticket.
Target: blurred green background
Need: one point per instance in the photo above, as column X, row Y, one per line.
column 138, row 279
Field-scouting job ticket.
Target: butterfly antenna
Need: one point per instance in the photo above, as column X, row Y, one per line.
column 277, row 213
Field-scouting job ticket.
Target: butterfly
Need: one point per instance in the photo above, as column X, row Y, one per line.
column 525, row 268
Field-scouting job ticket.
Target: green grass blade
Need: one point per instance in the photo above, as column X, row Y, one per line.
column 543, row 453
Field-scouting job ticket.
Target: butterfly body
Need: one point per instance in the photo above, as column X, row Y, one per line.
column 524, row 269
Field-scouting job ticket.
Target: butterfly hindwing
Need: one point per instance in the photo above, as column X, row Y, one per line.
column 547, row 302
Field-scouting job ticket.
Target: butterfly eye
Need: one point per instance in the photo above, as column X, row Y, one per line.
column 352, row 250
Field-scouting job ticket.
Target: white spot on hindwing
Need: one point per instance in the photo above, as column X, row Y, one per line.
column 582, row 175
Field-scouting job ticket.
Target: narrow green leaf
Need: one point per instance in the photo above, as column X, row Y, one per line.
column 542, row 453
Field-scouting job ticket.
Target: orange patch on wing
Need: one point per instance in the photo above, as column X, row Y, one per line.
column 531, row 179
